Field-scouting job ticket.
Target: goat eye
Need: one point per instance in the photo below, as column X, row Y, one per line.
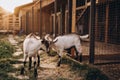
column 42, row 41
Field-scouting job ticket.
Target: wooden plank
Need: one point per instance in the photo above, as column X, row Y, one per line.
column 62, row 10
column 44, row 2
column 81, row 15
column 55, row 11
column 47, row 2
column 32, row 19
column 40, row 18
column 26, row 23
column 96, row 25
column 69, row 15
column 106, row 23
column 71, row 59
column 83, row 7
column 74, row 16
column 92, row 31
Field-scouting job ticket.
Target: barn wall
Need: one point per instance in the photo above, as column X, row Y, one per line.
column 107, row 19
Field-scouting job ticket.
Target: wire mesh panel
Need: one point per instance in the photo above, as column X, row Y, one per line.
column 107, row 31
column 107, row 25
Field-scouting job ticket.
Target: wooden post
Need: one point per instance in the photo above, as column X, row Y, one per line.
column 40, row 18
column 92, row 31
column 73, row 22
column 55, row 12
column 106, row 23
column 21, row 23
column 26, row 22
column 96, row 24
column 69, row 15
column 32, row 19
column 62, row 10
column 74, row 16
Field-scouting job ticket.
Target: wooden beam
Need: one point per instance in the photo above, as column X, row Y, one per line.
column 62, row 10
column 69, row 15
column 32, row 19
column 55, row 12
column 96, row 25
column 92, row 31
column 72, row 60
column 40, row 18
column 21, row 27
column 26, row 22
column 83, row 7
column 106, row 23
column 81, row 15
column 74, row 16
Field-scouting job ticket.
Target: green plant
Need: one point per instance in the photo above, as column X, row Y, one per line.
column 61, row 78
column 95, row 74
column 5, row 68
column 52, row 53
column 6, row 49
column 85, row 70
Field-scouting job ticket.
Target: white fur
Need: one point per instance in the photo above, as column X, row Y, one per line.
column 60, row 43
column 31, row 45
column 67, row 41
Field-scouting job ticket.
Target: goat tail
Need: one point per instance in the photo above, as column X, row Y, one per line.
column 84, row 36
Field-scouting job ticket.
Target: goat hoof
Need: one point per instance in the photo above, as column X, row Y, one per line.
column 38, row 65
column 76, row 58
column 80, row 58
column 22, row 71
column 58, row 65
column 59, row 62
column 35, row 73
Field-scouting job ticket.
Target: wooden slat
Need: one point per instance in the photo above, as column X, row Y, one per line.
column 106, row 23
column 83, row 7
column 81, row 14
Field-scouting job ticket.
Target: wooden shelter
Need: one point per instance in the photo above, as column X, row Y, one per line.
column 66, row 16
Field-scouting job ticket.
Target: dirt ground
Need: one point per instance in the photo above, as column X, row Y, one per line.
column 112, row 70
column 49, row 70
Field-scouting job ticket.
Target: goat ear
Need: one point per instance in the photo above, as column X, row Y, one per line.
column 55, row 41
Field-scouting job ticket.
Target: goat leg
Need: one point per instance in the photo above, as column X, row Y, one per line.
column 38, row 60
column 22, row 69
column 59, row 61
column 30, row 62
column 35, row 70
column 80, row 57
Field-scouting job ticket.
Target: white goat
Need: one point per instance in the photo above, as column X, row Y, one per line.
column 68, row 41
column 31, row 45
